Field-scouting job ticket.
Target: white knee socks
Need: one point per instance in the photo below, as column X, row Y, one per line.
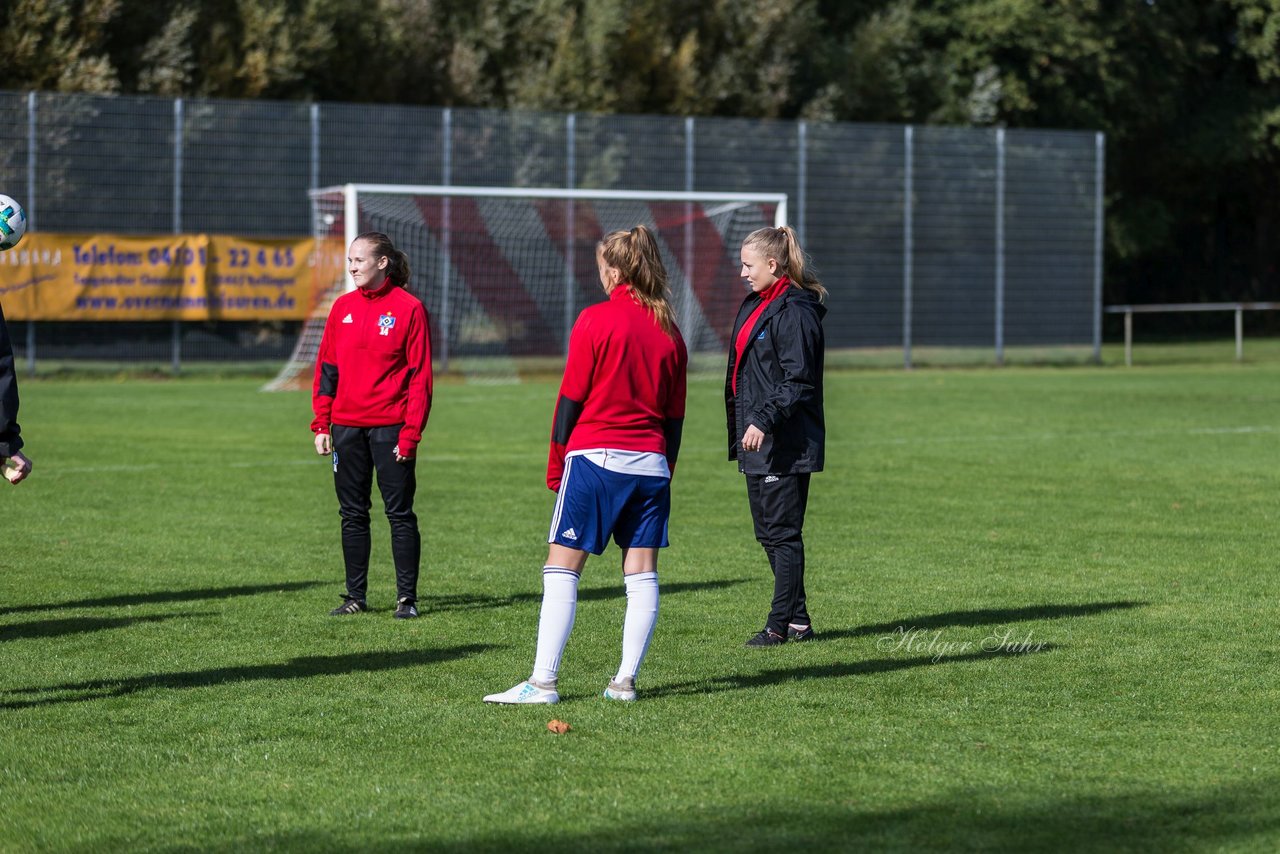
column 637, row 628
column 559, row 605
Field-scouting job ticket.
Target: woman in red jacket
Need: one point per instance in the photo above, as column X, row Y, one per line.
column 371, row 397
column 614, row 442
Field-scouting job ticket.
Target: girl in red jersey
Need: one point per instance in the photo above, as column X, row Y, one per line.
column 773, row 403
column 371, row 396
column 614, row 442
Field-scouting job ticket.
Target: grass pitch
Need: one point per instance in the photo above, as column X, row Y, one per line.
column 1046, row 599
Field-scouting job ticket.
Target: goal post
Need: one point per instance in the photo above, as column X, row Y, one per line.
column 504, row 271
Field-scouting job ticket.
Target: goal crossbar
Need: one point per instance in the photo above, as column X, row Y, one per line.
column 779, row 199
column 351, row 193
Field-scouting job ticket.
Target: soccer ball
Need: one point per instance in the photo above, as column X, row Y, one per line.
column 13, row 223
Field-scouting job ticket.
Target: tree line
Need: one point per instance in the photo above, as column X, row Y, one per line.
column 1187, row 91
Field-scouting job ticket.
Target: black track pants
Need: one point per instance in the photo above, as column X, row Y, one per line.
column 778, row 503
column 358, row 453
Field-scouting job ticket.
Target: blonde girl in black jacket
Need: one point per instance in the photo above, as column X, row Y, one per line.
column 773, row 404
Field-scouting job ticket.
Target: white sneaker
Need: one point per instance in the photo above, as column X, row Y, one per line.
column 621, row 689
column 526, row 692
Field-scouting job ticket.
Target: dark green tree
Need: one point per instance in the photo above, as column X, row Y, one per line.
column 58, row 45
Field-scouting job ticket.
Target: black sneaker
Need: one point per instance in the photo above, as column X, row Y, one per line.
column 406, row 609
column 796, row 634
column 349, row 606
column 767, row 637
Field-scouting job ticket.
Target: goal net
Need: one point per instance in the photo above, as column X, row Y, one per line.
column 504, row 272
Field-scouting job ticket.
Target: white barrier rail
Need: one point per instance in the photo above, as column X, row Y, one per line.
column 1238, row 307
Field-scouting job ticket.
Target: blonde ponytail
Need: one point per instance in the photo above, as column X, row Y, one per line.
column 781, row 245
column 636, row 256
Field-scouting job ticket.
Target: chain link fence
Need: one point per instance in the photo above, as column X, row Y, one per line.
column 978, row 239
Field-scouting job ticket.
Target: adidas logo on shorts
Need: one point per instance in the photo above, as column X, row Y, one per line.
column 569, row 534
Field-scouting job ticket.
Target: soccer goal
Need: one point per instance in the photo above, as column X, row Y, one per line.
column 505, row 271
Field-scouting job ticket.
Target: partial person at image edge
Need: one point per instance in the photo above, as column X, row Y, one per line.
column 16, row 464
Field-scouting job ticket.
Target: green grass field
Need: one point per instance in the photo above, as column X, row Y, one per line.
column 1047, row 601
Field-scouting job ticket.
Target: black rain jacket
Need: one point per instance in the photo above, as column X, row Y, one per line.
column 779, row 385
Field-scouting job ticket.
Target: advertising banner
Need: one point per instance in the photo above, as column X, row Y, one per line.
column 166, row 277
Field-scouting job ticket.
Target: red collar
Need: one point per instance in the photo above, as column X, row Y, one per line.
column 620, row 291
column 775, row 290
column 380, row 291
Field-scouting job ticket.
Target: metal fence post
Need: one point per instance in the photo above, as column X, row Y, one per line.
column 315, row 146
column 688, row 300
column 30, row 207
column 999, row 246
column 571, row 179
column 1099, row 175
column 1128, row 339
column 908, row 242
column 802, row 176
column 1239, row 333
column 177, row 219
column 446, row 178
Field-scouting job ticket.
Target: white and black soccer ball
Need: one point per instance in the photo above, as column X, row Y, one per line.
column 13, row 222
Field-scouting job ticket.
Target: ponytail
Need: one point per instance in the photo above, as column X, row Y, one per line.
column 781, row 245
column 397, row 262
column 635, row 254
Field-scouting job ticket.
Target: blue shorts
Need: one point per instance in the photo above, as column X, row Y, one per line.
column 595, row 503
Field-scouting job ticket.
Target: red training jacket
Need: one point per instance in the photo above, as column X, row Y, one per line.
column 624, row 385
column 374, row 365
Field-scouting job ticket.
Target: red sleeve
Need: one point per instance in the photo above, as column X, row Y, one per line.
column 325, row 383
column 574, row 388
column 673, row 417
column 418, row 357
column 680, row 382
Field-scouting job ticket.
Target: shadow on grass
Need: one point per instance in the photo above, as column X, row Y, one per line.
column 304, row 667
column 75, row 626
column 979, row 617
column 468, row 602
column 764, row 678
column 968, row 817
column 156, row 596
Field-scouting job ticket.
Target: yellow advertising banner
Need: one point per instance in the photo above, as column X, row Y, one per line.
column 166, row 277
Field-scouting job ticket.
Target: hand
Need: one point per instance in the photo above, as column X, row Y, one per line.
column 752, row 439
column 400, row 458
column 324, row 444
column 16, row 468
